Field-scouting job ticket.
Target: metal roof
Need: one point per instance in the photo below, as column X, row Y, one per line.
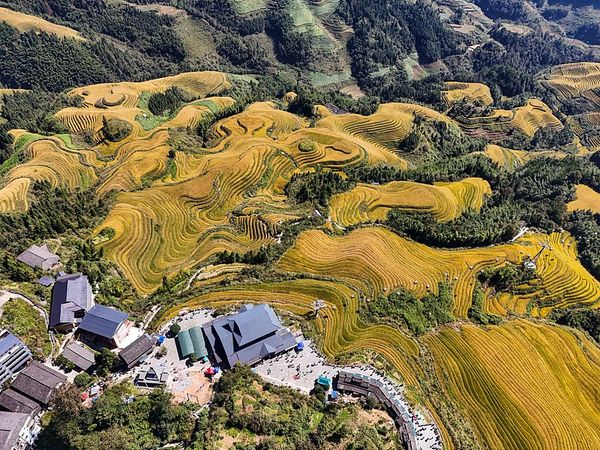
column 11, row 425
column 71, row 293
column 103, row 321
column 35, row 256
column 8, row 341
column 79, row 355
column 248, row 336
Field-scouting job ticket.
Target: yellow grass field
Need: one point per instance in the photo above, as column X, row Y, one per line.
column 446, row 201
column 25, row 22
column 522, row 385
column 456, row 91
column 376, row 260
column 586, row 198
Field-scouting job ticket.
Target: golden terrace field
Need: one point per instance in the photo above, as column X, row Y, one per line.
column 446, row 201
column 522, row 385
column 473, row 92
column 376, row 260
column 574, row 80
column 179, row 203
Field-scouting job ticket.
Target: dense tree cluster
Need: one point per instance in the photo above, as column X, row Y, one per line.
column 581, row 318
column 418, row 315
column 506, row 278
column 150, row 33
column 315, row 187
column 281, row 418
column 52, row 211
column 119, row 419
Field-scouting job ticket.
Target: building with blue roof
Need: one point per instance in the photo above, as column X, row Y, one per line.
column 252, row 334
column 104, row 327
column 14, row 355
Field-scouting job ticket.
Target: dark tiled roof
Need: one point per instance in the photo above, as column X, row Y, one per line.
column 103, row 321
column 11, row 425
column 79, row 355
column 14, row 401
column 70, row 294
column 37, row 382
column 137, row 349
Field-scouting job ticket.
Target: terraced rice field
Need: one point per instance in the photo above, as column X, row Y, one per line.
column 375, row 261
column 522, row 385
column 446, row 201
column 13, row 196
column 474, row 92
column 511, row 159
column 527, row 119
column 25, row 23
column 585, row 198
column 574, row 80
column 48, row 159
column 391, row 123
column 187, row 215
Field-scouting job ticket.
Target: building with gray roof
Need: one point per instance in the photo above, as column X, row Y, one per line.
column 38, row 382
column 39, row 257
column 15, row 431
column 13, row 401
column 104, row 327
column 72, row 297
column 138, row 350
column 14, row 355
column 79, row 355
column 252, row 334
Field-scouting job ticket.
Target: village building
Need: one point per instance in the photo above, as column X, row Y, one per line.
column 14, row 355
column 13, row 401
column 104, row 327
column 32, row 389
column 137, row 351
column 252, row 334
column 191, row 342
column 152, row 375
column 17, row 431
column 72, row 297
column 366, row 386
column 39, row 257
column 80, row 356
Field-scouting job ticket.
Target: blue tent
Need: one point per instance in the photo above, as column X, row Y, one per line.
column 300, row 346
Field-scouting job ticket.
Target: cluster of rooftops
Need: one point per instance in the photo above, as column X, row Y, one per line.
column 248, row 336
